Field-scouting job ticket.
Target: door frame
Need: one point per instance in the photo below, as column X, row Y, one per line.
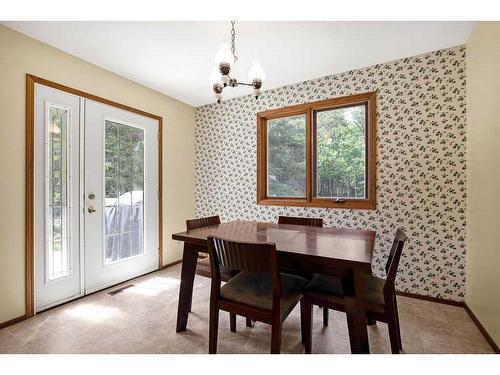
column 30, row 176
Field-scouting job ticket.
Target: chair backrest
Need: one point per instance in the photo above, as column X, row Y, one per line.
column 202, row 222
column 391, row 267
column 244, row 256
column 309, row 221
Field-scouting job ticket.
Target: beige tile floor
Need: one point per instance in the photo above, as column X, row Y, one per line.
column 141, row 319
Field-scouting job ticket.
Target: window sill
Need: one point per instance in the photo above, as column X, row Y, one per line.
column 357, row 204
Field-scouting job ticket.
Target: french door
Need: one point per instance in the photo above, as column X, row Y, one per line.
column 96, row 196
column 121, row 195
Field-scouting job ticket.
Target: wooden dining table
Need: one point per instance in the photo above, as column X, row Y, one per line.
column 346, row 253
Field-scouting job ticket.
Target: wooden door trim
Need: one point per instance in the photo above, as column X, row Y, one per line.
column 30, row 175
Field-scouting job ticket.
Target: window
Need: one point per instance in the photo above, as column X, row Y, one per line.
column 124, row 186
column 318, row 154
column 57, row 189
column 286, row 156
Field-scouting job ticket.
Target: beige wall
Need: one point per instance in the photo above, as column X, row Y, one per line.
column 20, row 55
column 483, row 176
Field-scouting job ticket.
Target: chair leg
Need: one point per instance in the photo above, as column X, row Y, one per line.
column 302, row 321
column 306, row 324
column 213, row 329
column 396, row 314
column 393, row 336
column 249, row 322
column 276, row 336
column 325, row 316
column 232, row 322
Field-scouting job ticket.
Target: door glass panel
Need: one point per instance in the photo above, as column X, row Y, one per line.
column 124, row 192
column 57, row 200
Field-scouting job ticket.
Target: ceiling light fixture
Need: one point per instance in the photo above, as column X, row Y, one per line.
column 225, row 59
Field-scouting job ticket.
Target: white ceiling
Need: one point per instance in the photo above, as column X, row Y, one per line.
column 176, row 58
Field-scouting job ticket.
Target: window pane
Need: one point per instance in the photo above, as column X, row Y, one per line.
column 341, row 159
column 286, row 157
column 124, row 186
column 57, row 249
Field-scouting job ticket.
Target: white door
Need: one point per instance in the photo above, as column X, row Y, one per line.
column 121, row 195
column 96, row 196
column 57, row 203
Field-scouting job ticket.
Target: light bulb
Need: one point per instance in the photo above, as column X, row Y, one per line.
column 256, row 73
column 224, row 56
column 214, row 77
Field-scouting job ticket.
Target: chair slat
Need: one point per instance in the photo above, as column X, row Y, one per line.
column 202, row 222
column 308, row 221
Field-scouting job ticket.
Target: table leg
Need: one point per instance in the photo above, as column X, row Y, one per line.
column 189, row 259
column 356, row 317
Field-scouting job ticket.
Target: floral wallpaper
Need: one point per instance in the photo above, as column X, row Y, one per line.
column 420, row 164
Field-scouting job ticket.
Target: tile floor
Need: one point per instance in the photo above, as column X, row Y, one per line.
column 141, row 319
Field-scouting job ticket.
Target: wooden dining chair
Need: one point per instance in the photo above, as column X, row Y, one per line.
column 380, row 297
column 308, row 221
column 259, row 292
column 203, row 264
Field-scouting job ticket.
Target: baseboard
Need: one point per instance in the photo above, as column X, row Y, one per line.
column 431, row 299
column 485, row 333
column 171, row 264
column 13, row 321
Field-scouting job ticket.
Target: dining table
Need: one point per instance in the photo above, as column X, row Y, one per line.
column 344, row 253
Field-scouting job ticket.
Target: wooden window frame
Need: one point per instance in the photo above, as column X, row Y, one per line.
column 311, row 200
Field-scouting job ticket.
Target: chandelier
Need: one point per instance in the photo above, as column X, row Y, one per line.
column 225, row 59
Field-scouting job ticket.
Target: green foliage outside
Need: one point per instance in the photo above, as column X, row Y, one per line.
column 124, row 165
column 286, row 163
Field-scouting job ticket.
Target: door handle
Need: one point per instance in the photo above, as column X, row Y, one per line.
column 91, row 210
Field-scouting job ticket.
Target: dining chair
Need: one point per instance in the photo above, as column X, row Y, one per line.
column 308, row 221
column 380, row 297
column 203, row 264
column 259, row 292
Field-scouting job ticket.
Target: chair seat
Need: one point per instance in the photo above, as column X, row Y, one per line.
column 330, row 289
column 255, row 289
column 295, row 272
column 203, row 269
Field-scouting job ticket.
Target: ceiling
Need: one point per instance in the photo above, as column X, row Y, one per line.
column 176, row 58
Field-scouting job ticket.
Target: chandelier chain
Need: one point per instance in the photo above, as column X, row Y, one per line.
column 233, row 42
